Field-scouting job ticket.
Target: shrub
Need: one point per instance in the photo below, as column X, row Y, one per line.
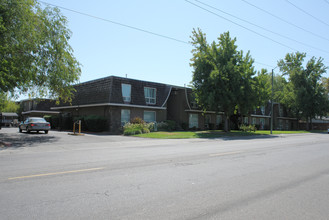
column 150, row 126
column 95, row 123
column 53, row 120
column 248, row 128
column 137, row 120
column 132, row 129
column 184, row 126
column 167, row 125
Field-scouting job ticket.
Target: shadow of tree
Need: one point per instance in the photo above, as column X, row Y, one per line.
column 16, row 140
column 232, row 135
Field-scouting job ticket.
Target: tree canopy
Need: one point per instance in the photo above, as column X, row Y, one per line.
column 305, row 94
column 222, row 76
column 35, row 55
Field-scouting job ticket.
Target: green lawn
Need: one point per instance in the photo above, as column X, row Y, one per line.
column 212, row 134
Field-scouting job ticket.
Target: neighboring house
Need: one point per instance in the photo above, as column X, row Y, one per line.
column 119, row 100
column 9, row 119
column 37, row 107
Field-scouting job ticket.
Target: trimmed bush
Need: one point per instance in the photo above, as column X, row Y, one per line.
column 95, row 123
column 167, row 125
column 132, row 129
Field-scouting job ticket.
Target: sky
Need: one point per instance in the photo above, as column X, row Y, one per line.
column 149, row 39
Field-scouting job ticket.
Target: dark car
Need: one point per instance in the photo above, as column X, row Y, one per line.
column 34, row 124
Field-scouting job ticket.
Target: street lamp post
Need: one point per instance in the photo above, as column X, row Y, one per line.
column 272, row 100
column 272, row 115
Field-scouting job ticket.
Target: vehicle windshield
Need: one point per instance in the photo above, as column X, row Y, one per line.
column 37, row 120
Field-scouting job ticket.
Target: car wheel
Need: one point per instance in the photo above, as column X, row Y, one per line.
column 20, row 130
column 46, row 132
column 28, row 130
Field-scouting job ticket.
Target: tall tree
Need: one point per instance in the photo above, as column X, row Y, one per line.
column 222, row 76
column 307, row 95
column 35, row 55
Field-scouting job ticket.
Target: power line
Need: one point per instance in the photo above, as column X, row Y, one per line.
column 243, row 28
column 288, row 22
column 264, row 36
column 305, row 12
column 117, row 23
column 268, row 30
column 127, row 26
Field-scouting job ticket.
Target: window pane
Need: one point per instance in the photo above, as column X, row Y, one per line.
column 126, row 92
column 193, row 121
column 218, row 119
column 150, row 95
column 125, row 116
column 149, row 116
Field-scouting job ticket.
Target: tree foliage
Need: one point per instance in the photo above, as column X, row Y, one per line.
column 35, row 55
column 222, row 75
column 7, row 105
column 305, row 94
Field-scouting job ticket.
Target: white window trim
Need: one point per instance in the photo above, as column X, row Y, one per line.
column 155, row 98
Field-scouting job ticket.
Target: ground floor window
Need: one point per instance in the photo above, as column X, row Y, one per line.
column 218, row 119
column 193, row 121
column 245, row 120
column 254, row 121
column 262, row 123
column 280, row 124
column 125, row 116
column 149, row 116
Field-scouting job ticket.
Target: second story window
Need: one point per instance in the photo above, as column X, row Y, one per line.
column 150, row 95
column 126, row 92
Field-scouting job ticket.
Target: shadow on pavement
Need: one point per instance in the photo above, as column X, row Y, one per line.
column 16, row 140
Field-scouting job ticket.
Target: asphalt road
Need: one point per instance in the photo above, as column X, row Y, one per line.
column 58, row 176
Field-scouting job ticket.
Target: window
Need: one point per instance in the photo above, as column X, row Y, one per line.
column 149, row 116
column 245, row 120
column 280, row 124
column 193, row 121
column 125, row 116
column 150, row 95
column 126, row 92
column 262, row 123
column 208, row 119
column 218, row 119
column 253, row 121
